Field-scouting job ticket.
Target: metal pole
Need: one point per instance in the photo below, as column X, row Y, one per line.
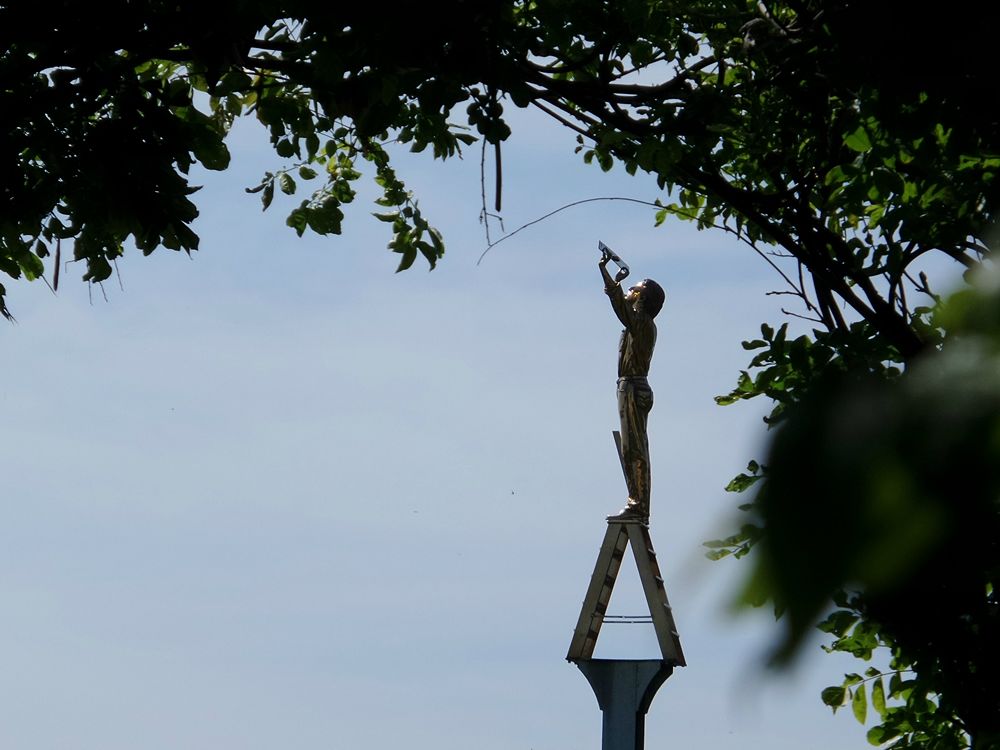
column 624, row 690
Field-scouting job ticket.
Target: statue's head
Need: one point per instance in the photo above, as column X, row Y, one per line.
column 650, row 297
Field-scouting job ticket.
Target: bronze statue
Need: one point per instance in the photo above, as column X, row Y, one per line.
column 636, row 311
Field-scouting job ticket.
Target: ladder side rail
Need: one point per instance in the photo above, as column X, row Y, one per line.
column 656, row 594
column 595, row 602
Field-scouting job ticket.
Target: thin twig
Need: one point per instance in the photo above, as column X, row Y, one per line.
column 980, row 250
column 797, row 290
column 920, row 287
column 559, row 118
column 637, row 68
column 491, row 245
column 766, row 12
column 46, row 282
column 802, row 288
column 579, row 114
column 484, row 215
column 803, row 317
column 482, row 190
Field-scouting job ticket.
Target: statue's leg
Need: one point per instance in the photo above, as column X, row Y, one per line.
column 643, row 403
column 634, row 402
column 626, row 412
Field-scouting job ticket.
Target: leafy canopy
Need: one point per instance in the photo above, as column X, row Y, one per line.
column 854, row 146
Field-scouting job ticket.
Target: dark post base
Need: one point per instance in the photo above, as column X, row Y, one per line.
column 624, row 690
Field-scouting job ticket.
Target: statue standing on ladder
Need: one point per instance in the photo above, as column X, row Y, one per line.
column 636, row 310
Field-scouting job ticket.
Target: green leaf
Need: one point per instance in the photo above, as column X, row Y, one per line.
column 233, row 80
column 742, row 482
column 307, row 173
column 327, row 217
column 838, row 622
column 941, row 134
column 284, row 148
column 897, row 685
column 687, row 45
column 287, row 183
column 837, row 174
column 427, row 250
column 211, row 151
column 729, row 541
column 641, row 52
column 858, row 141
column 312, row 145
column 877, row 736
column 437, row 241
column 834, row 696
column 298, row 219
column 342, row 191
column 859, row 703
column 268, row 195
column 409, row 255
column 878, row 697
column 31, row 264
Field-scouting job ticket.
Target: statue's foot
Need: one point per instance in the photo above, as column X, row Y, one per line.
column 632, row 511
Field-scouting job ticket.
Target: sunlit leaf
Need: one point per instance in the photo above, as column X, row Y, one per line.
column 878, row 697
column 859, row 703
column 858, row 140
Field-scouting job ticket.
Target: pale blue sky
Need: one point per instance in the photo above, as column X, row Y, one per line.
column 279, row 496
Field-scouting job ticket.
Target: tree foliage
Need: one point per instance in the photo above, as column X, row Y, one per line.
column 853, row 145
column 882, row 495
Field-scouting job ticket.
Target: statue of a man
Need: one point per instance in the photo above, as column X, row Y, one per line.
column 636, row 311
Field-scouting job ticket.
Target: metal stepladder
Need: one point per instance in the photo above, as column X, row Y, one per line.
column 595, row 604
